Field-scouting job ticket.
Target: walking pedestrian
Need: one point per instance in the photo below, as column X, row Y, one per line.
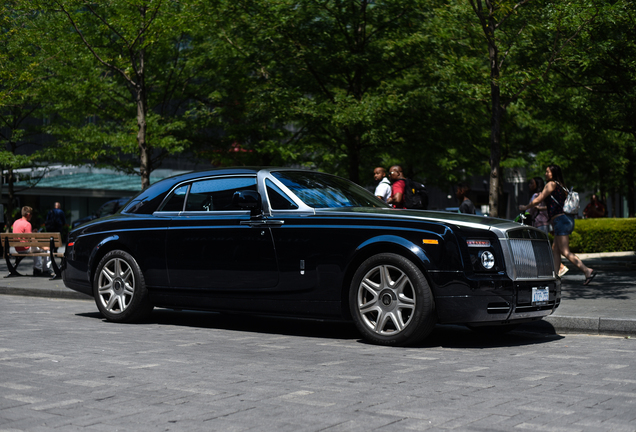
column 383, row 190
column 554, row 195
column 55, row 219
column 465, row 204
column 398, row 187
column 539, row 214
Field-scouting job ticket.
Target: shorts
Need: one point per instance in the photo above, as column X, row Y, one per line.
column 563, row 225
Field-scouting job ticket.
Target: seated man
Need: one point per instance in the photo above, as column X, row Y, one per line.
column 41, row 265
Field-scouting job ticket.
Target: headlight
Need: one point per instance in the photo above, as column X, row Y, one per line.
column 482, row 255
column 487, row 260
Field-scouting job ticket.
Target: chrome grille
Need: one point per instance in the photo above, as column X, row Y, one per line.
column 532, row 258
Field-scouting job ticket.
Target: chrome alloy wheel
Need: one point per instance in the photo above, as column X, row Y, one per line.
column 386, row 300
column 116, row 285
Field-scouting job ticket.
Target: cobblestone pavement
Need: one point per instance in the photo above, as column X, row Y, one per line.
column 63, row 368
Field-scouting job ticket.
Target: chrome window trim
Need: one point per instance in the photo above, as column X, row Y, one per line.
column 189, row 184
column 267, row 209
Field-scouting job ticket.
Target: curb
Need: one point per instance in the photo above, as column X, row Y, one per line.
column 591, row 325
column 605, row 260
column 581, row 325
column 47, row 293
column 628, row 255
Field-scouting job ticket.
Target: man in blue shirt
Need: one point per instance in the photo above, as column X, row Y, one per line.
column 55, row 219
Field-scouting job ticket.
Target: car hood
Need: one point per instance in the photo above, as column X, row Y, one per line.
column 458, row 219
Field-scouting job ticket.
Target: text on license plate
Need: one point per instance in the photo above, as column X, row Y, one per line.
column 540, row 295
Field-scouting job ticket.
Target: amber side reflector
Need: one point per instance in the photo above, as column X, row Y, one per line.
column 425, row 241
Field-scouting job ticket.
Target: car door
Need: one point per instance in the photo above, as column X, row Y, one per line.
column 214, row 245
column 307, row 248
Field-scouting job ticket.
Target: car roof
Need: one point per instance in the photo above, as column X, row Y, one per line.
column 235, row 170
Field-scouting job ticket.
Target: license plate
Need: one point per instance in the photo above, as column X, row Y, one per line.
column 540, row 296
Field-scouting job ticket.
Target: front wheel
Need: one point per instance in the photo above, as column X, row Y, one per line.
column 119, row 288
column 391, row 301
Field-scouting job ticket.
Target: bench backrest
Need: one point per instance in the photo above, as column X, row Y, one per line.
column 30, row 239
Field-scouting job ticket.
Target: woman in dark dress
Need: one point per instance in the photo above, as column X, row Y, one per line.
column 554, row 195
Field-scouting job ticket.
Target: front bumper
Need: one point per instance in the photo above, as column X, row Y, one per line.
column 508, row 303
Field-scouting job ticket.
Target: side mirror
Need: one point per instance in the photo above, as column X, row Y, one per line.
column 247, row 200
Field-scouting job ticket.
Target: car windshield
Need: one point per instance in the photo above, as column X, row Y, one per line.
column 324, row 191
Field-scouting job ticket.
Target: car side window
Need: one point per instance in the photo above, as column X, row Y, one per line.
column 216, row 194
column 277, row 198
column 176, row 200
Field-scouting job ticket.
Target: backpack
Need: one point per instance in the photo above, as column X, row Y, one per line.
column 571, row 204
column 415, row 195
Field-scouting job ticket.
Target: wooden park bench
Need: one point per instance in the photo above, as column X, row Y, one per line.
column 51, row 240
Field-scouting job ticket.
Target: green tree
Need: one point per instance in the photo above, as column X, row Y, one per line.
column 581, row 118
column 122, row 81
column 329, row 76
column 602, row 75
column 525, row 39
column 22, row 97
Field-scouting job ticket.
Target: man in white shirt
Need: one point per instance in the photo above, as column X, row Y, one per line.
column 383, row 190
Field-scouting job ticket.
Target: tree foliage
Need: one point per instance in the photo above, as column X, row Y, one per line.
column 332, row 77
column 121, row 80
column 446, row 88
column 23, row 99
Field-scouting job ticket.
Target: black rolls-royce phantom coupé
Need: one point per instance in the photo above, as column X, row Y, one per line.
column 311, row 245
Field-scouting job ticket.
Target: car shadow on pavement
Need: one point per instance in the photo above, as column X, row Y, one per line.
column 461, row 337
column 446, row 336
column 247, row 323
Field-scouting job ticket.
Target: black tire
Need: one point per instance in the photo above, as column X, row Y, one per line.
column 391, row 302
column 119, row 288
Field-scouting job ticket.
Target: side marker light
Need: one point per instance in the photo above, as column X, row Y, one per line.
column 478, row 243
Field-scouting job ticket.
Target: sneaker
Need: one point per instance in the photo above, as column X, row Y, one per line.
column 563, row 271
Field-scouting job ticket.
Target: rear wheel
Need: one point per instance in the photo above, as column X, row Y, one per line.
column 391, row 301
column 119, row 288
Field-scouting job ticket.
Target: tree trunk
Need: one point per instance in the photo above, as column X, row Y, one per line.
column 354, row 144
column 144, row 150
column 495, row 125
column 145, row 155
